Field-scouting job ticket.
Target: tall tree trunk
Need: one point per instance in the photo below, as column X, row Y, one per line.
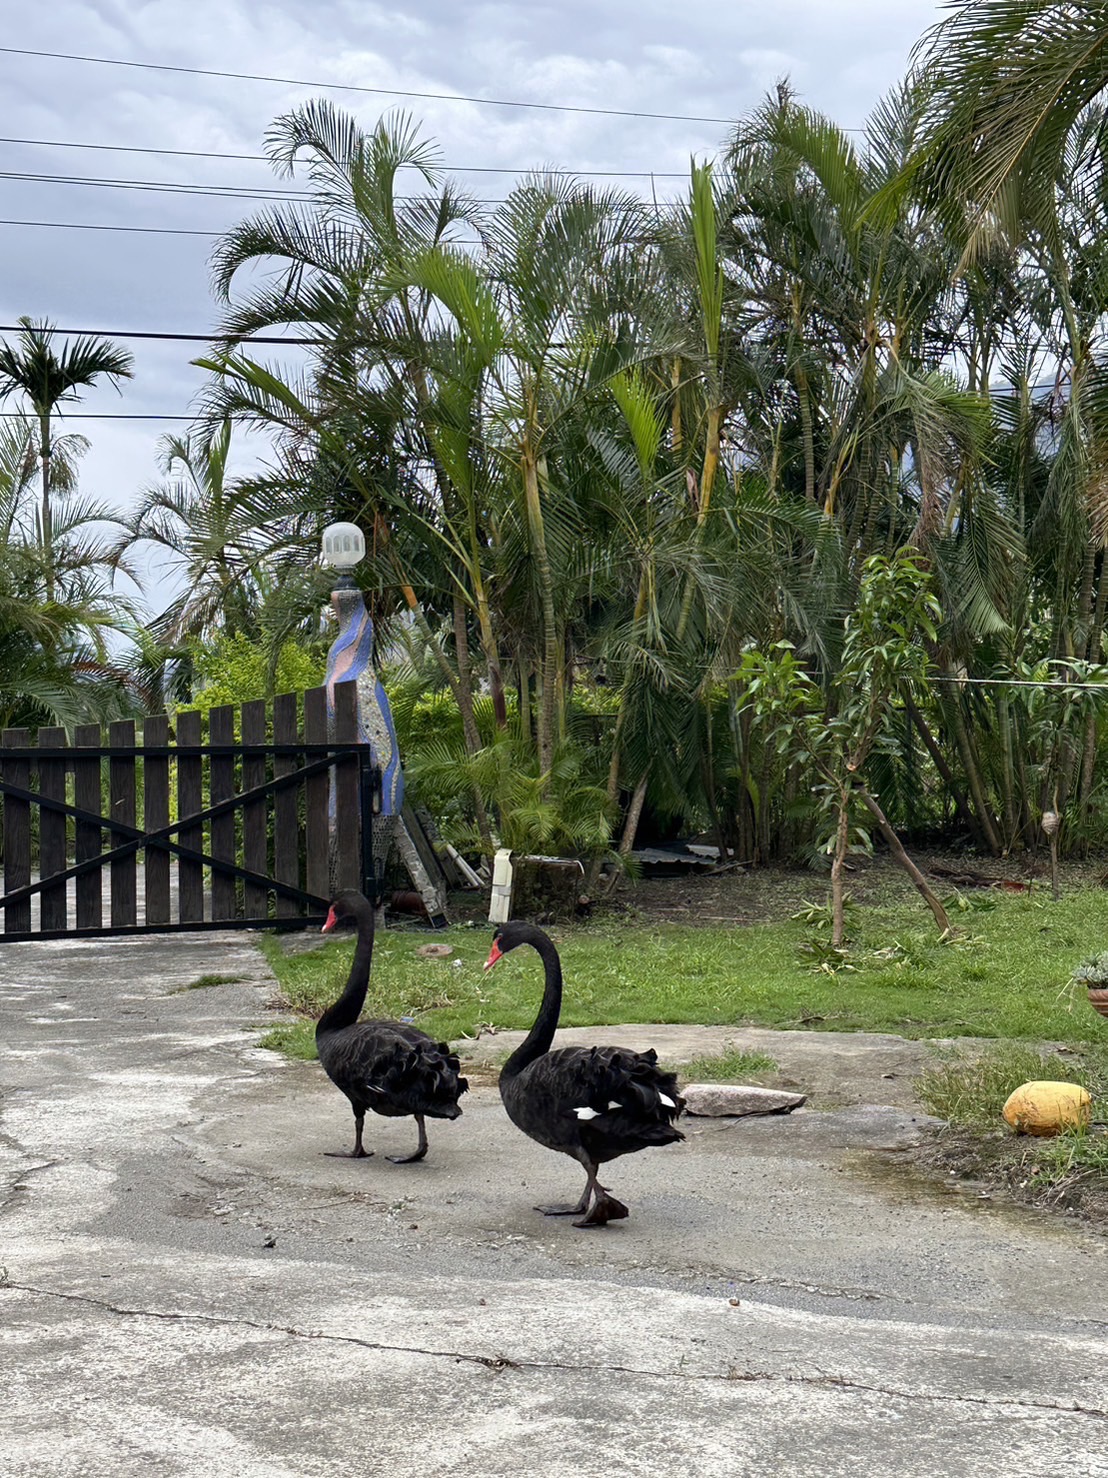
column 634, row 814
column 1008, row 799
column 838, row 864
column 897, row 849
column 524, row 698
column 972, row 769
column 1094, row 652
column 946, row 774
column 765, row 810
column 460, row 684
column 710, row 464
column 740, row 744
column 491, row 652
column 469, row 720
column 807, row 434
column 537, row 529
column 46, row 453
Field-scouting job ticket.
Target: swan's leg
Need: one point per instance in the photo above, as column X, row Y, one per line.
column 421, row 1149
column 359, row 1152
column 586, row 1195
column 605, row 1208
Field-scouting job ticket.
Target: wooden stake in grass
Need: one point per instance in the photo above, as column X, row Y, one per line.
column 1051, row 823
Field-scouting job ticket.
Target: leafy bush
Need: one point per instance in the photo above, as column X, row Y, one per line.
column 236, row 669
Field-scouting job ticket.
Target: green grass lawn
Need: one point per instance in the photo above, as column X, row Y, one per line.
column 1004, row 975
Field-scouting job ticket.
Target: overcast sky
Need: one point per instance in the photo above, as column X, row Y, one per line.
column 700, row 58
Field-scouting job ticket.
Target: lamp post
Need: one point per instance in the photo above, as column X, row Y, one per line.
column 350, row 659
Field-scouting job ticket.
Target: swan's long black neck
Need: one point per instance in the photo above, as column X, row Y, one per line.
column 347, row 1008
column 541, row 1035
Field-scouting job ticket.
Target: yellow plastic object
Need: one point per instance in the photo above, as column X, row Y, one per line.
column 1048, row 1108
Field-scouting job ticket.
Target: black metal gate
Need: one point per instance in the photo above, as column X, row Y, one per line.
column 253, row 825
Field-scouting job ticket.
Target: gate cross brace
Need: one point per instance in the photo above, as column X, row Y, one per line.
column 163, row 836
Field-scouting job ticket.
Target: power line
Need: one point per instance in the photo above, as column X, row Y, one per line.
column 447, row 97
column 266, row 193
column 102, row 416
column 625, row 174
column 122, row 333
column 1019, row 682
column 215, row 192
column 166, row 187
column 90, row 226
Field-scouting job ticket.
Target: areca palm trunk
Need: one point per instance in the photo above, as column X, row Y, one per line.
column 807, row 434
column 1094, row 650
column 838, row 865
column 491, row 650
column 469, row 719
column 533, row 501
column 46, row 454
column 1004, row 727
column 972, row 769
column 710, row 464
column 461, row 687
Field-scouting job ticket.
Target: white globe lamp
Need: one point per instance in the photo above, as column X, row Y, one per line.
column 343, row 546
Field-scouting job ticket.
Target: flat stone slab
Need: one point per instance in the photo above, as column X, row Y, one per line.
column 735, row 1100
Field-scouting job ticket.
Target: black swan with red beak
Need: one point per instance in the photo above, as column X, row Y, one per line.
column 591, row 1103
column 382, row 1066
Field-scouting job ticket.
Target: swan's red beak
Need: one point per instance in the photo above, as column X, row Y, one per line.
column 496, row 953
column 331, row 922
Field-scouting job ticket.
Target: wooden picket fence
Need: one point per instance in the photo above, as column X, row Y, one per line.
column 255, row 823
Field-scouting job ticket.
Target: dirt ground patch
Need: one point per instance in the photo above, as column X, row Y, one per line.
column 999, row 1164
column 759, row 895
column 764, row 894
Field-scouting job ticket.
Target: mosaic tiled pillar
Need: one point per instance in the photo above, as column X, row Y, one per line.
column 351, row 659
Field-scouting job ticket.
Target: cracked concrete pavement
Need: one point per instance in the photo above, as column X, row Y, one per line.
column 191, row 1287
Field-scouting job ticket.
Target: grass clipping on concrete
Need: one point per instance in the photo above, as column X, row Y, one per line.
column 1003, row 974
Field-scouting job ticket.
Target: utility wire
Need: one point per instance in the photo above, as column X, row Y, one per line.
column 625, row 174
column 265, row 193
column 90, row 226
column 171, row 187
column 122, row 333
column 101, row 416
column 447, row 97
column 1019, row 682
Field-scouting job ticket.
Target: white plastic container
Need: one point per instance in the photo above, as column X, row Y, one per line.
column 500, row 900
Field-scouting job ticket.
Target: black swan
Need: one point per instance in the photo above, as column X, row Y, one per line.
column 592, row 1103
column 385, row 1066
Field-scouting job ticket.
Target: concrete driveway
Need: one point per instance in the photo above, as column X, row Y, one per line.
column 190, row 1287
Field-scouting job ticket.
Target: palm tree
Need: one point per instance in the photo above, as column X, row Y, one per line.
column 1005, row 84
column 199, row 518
column 56, row 665
column 46, row 379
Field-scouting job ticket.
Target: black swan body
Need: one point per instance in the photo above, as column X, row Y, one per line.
column 383, row 1066
column 592, row 1103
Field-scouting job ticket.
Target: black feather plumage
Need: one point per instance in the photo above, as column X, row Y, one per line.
column 383, row 1067
column 592, row 1103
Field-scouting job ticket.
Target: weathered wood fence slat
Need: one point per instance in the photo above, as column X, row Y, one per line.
column 249, row 817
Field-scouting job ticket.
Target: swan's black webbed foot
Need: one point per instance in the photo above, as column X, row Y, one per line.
column 605, row 1209
column 420, row 1149
column 355, row 1154
column 565, row 1210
